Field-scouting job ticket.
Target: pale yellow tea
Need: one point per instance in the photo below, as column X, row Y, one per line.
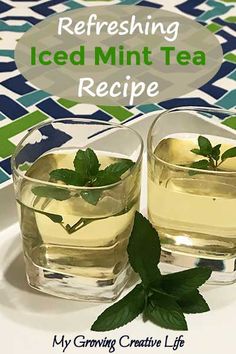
column 74, row 243
column 193, row 211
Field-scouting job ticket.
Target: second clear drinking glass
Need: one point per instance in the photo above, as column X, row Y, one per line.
column 75, row 238
column 193, row 210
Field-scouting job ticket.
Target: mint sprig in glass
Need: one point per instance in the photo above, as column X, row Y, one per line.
column 77, row 203
column 192, row 175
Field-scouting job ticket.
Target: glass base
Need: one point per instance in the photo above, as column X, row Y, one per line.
column 223, row 270
column 76, row 287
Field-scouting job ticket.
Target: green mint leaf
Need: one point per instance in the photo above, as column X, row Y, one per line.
column 105, row 178
column 51, row 192
column 54, row 217
column 91, row 196
column 182, row 283
column 228, row 154
column 199, row 165
column 155, row 287
column 204, row 145
column 165, row 312
column 216, row 152
column 67, row 176
column 86, row 164
column 119, row 168
column 122, row 311
column 144, row 249
column 197, row 152
column 193, row 303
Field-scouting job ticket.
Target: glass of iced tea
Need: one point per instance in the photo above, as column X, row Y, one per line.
column 77, row 185
column 192, row 189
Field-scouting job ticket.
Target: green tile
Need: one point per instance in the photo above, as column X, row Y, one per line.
column 213, row 27
column 67, row 103
column 231, row 19
column 230, row 122
column 230, row 57
column 24, row 167
column 6, row 148
column 22, row 124
column 117, row 112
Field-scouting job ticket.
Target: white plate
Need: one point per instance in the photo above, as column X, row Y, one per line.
column 29, row 319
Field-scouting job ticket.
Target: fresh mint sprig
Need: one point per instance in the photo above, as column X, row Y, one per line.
column 162, row 299
column 213, row 157
column 86, row 173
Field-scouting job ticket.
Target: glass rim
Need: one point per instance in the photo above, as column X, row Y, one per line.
column 70, row 186
column 187, row 108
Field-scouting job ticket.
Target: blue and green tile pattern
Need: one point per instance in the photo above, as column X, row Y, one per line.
column 22, row 106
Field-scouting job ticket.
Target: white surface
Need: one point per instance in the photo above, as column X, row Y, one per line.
column 8, row 213
column 29, row 319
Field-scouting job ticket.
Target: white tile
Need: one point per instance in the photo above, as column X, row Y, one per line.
column 84, row 109
column 59, row 8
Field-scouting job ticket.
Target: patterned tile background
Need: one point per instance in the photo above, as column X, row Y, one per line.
column 22, row 105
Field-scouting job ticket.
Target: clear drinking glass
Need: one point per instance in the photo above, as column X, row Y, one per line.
column 193, row 210
column 75, row 247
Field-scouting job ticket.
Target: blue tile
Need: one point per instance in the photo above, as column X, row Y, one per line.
column 29, row 19
column 6, row 165
column 11, row 108
column 3, row 176
column 45, row 8
column 2, row 116
column 4, row 7
column 7, row 67
column 54, row 109
column 32, row 98
column 146, row 108
column 18, row 85
column 53, row 138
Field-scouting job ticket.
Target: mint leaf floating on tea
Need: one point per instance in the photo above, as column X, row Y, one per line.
column 216, row 152
column 85, row 174
column 111, row 174
column 228, row 154
column 213, row 155
column 86, row 165
column 205, row 146
column 92, row 197
column 66, row 176
column 51, row 192
column 119, row 168
column 163, row 299
column 200, row 165
column 54, row 217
